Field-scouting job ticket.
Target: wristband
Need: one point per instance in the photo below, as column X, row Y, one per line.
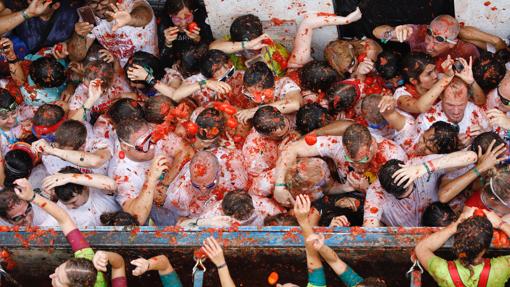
column 432, row 167
column 281, row 184
column 33, row 197
column 25, row 15
column 428, row 171
column 243, row 44
column 202, row 83
column 150, row 80
column 221, row 266
column 476, row 171
column 13, row 61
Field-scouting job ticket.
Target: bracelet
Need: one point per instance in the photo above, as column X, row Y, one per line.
column 476, row 171
column 150, row 80
column 202, row 83
column 13, row 61
column 433, row 168
column 243, row 44
column 33, row 197
column 427, row 168
column 281, row 184
column 221, row 266
column 25, row 15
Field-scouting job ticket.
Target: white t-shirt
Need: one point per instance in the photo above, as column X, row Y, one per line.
column 89, row 213
column 41, row 218
column 127, row 40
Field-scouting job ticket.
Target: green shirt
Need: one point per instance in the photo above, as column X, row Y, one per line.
column 88, row 254
column 499, row 274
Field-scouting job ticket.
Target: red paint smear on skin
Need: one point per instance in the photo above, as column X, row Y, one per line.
column 325, row 14
column 277, row 22
column 200, row 170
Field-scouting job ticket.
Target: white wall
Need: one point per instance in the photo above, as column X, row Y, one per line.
column 493, row 18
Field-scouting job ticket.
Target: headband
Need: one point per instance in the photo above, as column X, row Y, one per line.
column 44, row 130
column 23, row 146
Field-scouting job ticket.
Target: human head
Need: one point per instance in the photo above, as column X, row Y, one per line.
column 419, row 69
column 246, row 28
column 385, row 176
column 437, row 214
column 341, row 97
column 440, row 138
column 484, row 140
column 342, row 55
column 124, row 110
column 15, row 210
column 359, row 145
column 118, row 218
column 8, row 108
column 310, row 117
column 71, row 135
column 150, row 63
column 215, row 64
column 191, row 59
column 269, row 121
column 100, row 7
column 258, row 83
column 503, row 92
column 454, row 100
column 47, row 120
column 281, row 219
column 99, row 69
column 179, row 11
column 238, row 205
column 135, row 139
column 388, row 64
column 156, row 108
column 70, row 194
column 496, row 192
column 350, row 205
column 308, row 176
column 370, row 111
column 47, row 72
column 442, row 35
column 18, row 164
column 317, row 76
column 211, row 124
column 488, row 71
column 205, row 172
column 73, row 273
column 472, row 239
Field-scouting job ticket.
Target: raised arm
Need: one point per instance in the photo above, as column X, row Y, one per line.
column 387, row 109
column 187, row 89
column 10, row 21
column 141, row 14
column 230, row 47
column 480, row 38
column 103, row 258
column 213, row 250
column 160, row 263
column 398, row 34
column 98, row 181
column 302, row 211
column 95, row 91
column 15, row 68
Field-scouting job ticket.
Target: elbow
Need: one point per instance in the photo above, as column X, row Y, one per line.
column 443, row 198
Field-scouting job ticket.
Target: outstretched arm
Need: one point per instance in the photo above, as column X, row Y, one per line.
column 167, row 274
column 302, row 211
column 213, row 250
column 103, row 258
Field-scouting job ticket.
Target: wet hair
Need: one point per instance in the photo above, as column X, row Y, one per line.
column 473, row 237
column 307, row 173
column 47, row 72
column 71, row 133
column 311, row 117
column 126, row 130
column 124, row 110
column 18, row 164
column 388, row 64
column 238, row 205
column 317, row 76
column 370, row 109
column 503, row 55
column 446, row 137
column 282, row 219
column 48, row 115
column 268, row 119
column 340, row 54
column 485, row 139
column 385, row 176
column 211, row 124
column 372, row 282
column 330, row 210
column 8, row 199
column 355, row 137
column 172, row 7
column 259, row 75
column 437, row 214
column 6, row 99
column 68, row 191
column 341, row 97
column 156, row 108
column 414, row 64
column 191, row 59
column 488, row 71
column 99, row 69
column 80, row 272
column 212, row 61
column 246, row 28
column 118, row 218
column 149, row 62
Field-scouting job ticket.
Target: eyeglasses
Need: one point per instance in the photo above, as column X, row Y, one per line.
column 207, row 187
column 228, row 74
column 363, row 160
column 20, row 217
column 504, row 101
column 9, row 111
column 143, row 143
column 439, row 38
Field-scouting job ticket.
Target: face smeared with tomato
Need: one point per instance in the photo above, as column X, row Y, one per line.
column 454, row 102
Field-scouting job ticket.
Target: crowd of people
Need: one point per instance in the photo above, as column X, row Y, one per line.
column 111, row 114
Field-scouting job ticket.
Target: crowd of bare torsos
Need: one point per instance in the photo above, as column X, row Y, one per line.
column 242, row 132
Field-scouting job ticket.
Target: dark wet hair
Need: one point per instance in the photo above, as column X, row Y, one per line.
column 80, row 272
column 355, row 137
column 370, row 109
column 68, row 191
column 212, row 61
column 238, row 205
column 385, row 176
column 503, row 55
column 330, row 210
column 259, row 75
column 310, row 117
column 124, row 110
column 191, row 59
column 48, row 115
column 473, row 236
column 484, row 140
column 172, row 7
column 72, row 134
column 341, row 97
column 437, row 214
column 47, row 72
column 149, row 62
column 211, row 124
column 118, row 218
column 156, row 108
column 6, row 99
column 127, row 129
column 8, row 199
column 268, row 119
column 246, row 28
column 488, row 71
column 388, row 64
column 18, row 164
column 414, row 64
column 446, row 137
column 317, row 76
column 282, row 219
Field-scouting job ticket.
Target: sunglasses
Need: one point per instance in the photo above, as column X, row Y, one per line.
column 228, row 74
column 439, row 38
column 20, row 217
column 208, row 187
column 350, row 160
column 504, row 101
column 178, row 20
column 143, row 143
